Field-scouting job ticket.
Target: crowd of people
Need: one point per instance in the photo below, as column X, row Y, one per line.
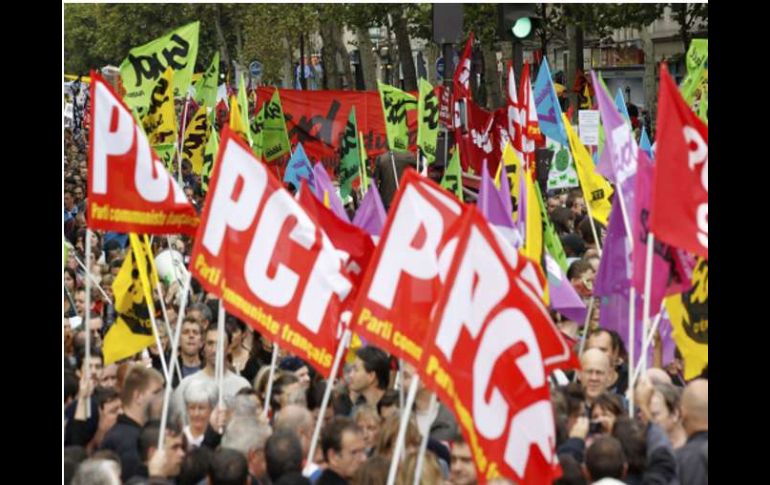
column 112, row 419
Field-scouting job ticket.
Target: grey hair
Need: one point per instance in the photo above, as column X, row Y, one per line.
column 243, row 406
column 97, row 471
column 245, row 434
column 201, row 391
column 204, row 309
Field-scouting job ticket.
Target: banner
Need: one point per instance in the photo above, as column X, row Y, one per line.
column 129, row 190
column 146, row 64
column 317, row 119
column 489, row 350
column 401, row 284
column 271, row 264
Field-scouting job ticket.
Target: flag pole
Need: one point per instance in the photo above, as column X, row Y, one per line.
column 585, row 331
column 399, row 445
column 344, row 342
column 174, row 354
column 432, row 408
column 220, row 358
column 648, row 341
column 273, row 360
column 181, row 140
column 91, row 278
column 647, row 293
column 86, row 318
column 168, row 330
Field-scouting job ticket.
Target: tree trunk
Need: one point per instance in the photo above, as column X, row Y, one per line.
column 342, row 51
column 491, row 76
column 368, row 62
column 431, row 54
column 405, row 52
column 575, row 62
column 331, row 78
column 650, row 80
column 221, row 42
column 288, row 65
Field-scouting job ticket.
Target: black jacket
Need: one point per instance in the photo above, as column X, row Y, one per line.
column 123, row 439
column 328, row 477
column 693, row 460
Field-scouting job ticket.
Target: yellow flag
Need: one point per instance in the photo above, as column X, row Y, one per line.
column 236, row 120
column 513, row 169
column 195, row 138
column 533, row 245
column 132, row 330
column 596, row 190
column 364, row 175
column 688, row 313
column 160, row 121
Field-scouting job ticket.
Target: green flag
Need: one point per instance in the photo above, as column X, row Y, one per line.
column 453, row 176
column 275, row 139
column 206, row 87
column 427, row 121
column 395, row 103
column 212, row 147
column 145, row 65
column 694, row 87
column 550, row 238
column 256, row 128
column 166, row 154
column 243, row 108
column 350, row 157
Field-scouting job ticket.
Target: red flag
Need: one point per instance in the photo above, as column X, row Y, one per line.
column 463, row 72
column 490, row 348
column 269, row 261
column 401, row 284
column 351, row 240
column 679, row 213
column 129, row 189
column 530, row 132
column 514, row 113
column 480, row 141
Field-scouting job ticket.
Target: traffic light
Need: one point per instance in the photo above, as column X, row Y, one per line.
column 517, row 21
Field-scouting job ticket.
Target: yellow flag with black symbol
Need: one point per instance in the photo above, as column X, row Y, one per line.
column 596, row 189
column 132, row 330
column 513, row 170
column 395, row 104
column 160, row 121
column 689, row 316
column 212, row 147
column 195, row 138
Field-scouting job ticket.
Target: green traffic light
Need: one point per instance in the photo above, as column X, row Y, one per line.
column 522, row 28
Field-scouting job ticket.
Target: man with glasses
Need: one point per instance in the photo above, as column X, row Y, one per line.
column 343, row 447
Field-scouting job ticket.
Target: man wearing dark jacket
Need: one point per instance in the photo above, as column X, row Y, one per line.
column 140, row 388
column 692, row 458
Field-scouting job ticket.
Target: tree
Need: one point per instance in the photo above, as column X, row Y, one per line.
column 689, row 16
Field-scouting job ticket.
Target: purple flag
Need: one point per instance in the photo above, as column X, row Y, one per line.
column 564, row 298
column 666, row 279
column 620, row 147
column 505, row 189
column 371, row 215
column 614, row 316
column 489, row 202
column 324, row 184
column 614, row 275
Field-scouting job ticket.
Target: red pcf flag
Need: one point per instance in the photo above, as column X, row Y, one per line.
column 129, row 189
column 401, row 284
column 268, row 260
column 490, row 347
column 680, row 194
column 353, row 242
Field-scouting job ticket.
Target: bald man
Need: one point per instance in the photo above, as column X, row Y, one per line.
column 298, row 420
column 692, row 458
column 658, row 376
column 594, row 374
